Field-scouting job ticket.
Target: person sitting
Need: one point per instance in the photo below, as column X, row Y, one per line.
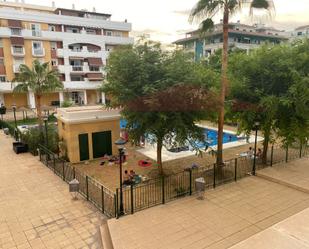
column 259, row 153
column 127, row 180
column 250, row 152
column 132, row 173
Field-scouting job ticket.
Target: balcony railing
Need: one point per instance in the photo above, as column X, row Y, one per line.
column 37, row 33
column 16, row 68
column 18, row 51
column 38, row 52
column 16, row 32
column 77, row 68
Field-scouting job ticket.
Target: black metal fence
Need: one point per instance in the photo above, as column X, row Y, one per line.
column 161, row 190
column 167, row 188
column 100, row 196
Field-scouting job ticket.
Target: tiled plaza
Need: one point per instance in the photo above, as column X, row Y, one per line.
column 36, row 208
column 229, row 214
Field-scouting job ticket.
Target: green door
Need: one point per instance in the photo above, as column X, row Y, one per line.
column 83, row 147
column 102, row 143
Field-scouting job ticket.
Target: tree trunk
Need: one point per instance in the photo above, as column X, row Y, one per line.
column 38, row 110
column 265, row 146
column 159, row 155
column 224, row 82
column 40, row 119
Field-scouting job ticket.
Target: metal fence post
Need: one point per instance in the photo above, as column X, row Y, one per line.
column 132, row 199
column 190, row 180
column 300, row 149
column 102, row 199
column 271, row 155
column 87, row 190
column 40, row 154
column 116, row 204
column 163, row 190
column 235, row 170
column 287, row 154
column 54, row 163
column 63, row 174
column 214, row 176
column 74, row 176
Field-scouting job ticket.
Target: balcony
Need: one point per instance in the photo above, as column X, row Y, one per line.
column 16, row 68
column 18, row 51
column 82, row 85
column 84, row 53
column 77, row 68
column 37, row 33
column 38, row 52
column 15, row 32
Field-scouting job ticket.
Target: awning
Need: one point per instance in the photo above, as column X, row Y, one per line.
column 14, row 24
column 17, row 41
column 97, row 62
column 94, row 76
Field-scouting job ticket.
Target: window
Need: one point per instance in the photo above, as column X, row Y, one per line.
column 76, row 78
column 54, row 63
column 53, row 45
column 94, row 68
column 37, row 45
column 18, row 49
column 90, row 31
column 1, row 61
column 2, row 78
column 109, row 33
column 37, row 48
column 1, row 43
column 16, row 31
column 36, row 29
column 51, row 27
column 72, row 30
column 118, row 33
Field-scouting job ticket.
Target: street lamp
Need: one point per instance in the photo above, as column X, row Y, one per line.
column 46, row 135
column 256, row 127
column 120, row 144
column 15, row 130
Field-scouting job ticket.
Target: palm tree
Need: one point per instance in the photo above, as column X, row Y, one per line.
column 204, row 11
column 39, row 80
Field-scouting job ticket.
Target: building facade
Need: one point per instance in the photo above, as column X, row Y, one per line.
column 241, row 36
column 76, row 42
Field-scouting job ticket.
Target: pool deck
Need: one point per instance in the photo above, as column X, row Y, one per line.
column 150, row 149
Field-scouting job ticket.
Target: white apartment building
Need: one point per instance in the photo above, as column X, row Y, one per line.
column 76, row 42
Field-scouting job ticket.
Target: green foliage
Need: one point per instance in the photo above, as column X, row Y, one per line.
column 136, row 74
column 38, row 79
column 66, row 103
column 273, row 86
column 33, row 137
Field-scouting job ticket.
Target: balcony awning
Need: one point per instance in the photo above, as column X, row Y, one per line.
column 94, row 76
column 14, row 24
column 17, row 41
column 96, row 62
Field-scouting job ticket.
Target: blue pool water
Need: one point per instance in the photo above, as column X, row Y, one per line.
column 211, row 137
column 209, row 134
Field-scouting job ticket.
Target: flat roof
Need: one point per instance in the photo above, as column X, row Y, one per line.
column 87, row 114
column 84, row 12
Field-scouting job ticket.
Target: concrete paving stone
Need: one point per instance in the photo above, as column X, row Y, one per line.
column 36, row 209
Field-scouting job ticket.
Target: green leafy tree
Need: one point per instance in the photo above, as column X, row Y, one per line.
column 268, row 87
column 39, row 79
column 161, row 94
column 203, row 12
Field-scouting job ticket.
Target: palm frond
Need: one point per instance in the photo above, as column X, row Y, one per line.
column 267, row 5
column 206, row 26
column 205, row 9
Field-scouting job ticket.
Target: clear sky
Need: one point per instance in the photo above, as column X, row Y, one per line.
column 167, row 20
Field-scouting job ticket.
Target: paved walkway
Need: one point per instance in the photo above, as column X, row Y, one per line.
column 36, row 209
column 228, row 215
column 294, row 174
column 290, row 233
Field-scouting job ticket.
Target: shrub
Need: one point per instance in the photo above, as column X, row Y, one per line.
column 66, row 103
column 33, row 138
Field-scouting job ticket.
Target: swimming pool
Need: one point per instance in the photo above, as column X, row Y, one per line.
column 211, row 137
